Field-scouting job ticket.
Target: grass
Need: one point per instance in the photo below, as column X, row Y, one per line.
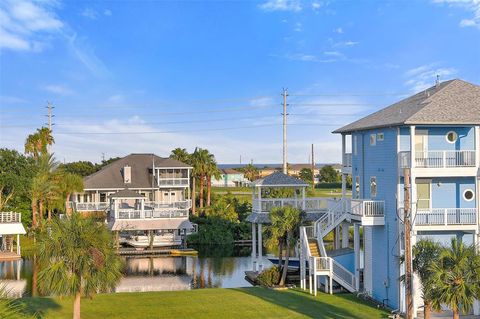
column 210, row 303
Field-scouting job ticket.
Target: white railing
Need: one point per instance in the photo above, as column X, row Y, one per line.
column 10, row 217
column 166, row 181
column 322, row 263
column 439, row 159
column 347, row 160
column 309, row 204
column 184, row 204
column 330, row 219
column 367, row 208
column 446, row 216
column 175, row 213
column 91, row 206
column 341, row 273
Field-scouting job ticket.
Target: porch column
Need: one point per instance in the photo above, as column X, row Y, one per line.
column 142, row 209
column 356, row 248
column 303, row 198
column 336, row 238
column 254, row 248
column 344, row 177
column 413, row 183
column 345, row 234
column 477, row 146
column 260, row 265
column 18, row 244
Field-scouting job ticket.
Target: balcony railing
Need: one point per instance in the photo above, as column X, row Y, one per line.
column 185, row 204
column 347, row 160
column 166, row 181
column 148, row 214
column 10, row 217
column 446, row 216
column 438, row 159
column 91, row 207
column 309, row 204
column 367, row 208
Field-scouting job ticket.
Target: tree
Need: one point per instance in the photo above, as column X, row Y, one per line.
column 306, row 174
column 44, row 188
column 456, row 277
column 212, row 171
column 77, row 258
column 329, row 175
column 69, row 183
column 81, row 168
column 250, row 172
column 181, row 154
column 36, row 144
column 201, row 159
column 426, row 253
column 284, row 224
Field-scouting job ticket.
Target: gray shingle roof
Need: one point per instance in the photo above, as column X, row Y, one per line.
column 279, row 179
column 451, row 102
column 111, row 175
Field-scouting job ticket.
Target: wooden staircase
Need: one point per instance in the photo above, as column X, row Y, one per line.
column 313, row 245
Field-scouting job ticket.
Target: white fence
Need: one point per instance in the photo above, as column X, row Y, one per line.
column 10, row 217
column 309, row 204
column 446, row 216
column 438, row 159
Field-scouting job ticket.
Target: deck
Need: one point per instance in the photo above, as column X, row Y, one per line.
column 157, row 252
column 8, row 256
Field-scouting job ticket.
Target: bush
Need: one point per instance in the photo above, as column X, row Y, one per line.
column 212, row 231
column 269, row 277
column 328, row 185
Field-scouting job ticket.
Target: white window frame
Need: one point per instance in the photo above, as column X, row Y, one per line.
column 473, row 194
column 380, row 137
column 373, row 139
column 373, row 180
column 455, row 134
column 357, row 187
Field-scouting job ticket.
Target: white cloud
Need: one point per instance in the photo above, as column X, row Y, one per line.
column 58, row 89
column 338, row 30
column 345, row 44
column 424, row 76
column 298, row 27
column 107, row 12
column 470, row 5
column 281, row 5
column 90, row 13
column 86, row 55
column 27, row 24
column 316, row 5
column 11, row 100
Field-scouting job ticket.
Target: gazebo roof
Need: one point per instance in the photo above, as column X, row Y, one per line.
column 279, row 179
column 126, row 193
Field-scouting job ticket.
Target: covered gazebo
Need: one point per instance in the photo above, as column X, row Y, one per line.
column 266, row 194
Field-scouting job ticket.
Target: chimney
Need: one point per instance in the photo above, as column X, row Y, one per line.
column 437, row 81
column 127, row 174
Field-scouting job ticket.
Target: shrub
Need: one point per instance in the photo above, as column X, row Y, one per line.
column 269, row 277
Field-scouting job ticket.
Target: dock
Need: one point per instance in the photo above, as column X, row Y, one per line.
column 157, row 252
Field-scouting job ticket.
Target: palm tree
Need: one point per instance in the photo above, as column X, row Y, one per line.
column 200, row 161
column 69, row 183
column 44, row 187
column 250, row 172
column 425, row 254
column 36, row 144
column 285, row 221
column 456, row 278
column 180, row 154
column 212, row 171
column 77, row 258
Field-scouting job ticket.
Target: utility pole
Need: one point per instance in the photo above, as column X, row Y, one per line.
column 285, row 94
column 408, row 248
column 50, row 115
column 313, row 168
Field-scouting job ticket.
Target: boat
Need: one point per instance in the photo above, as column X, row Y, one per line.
column 140, row 242
column 293, row 262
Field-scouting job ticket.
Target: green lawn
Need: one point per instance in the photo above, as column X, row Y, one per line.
column 210, row 303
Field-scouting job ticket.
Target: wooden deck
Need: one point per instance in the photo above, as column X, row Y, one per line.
column 7, row 256
column 158, row 252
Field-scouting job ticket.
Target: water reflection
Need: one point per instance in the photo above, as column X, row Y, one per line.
column 215, row 267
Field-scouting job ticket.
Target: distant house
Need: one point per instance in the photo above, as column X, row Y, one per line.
column 141, row 195
column 230, row 178
column 294, row 169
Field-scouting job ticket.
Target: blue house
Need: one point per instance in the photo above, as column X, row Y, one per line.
column 436, row 134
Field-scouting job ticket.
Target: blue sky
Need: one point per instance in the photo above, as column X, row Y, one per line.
column 148, row 76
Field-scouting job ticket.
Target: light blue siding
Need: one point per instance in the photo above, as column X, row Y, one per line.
column 380, row 160
column 436, row 140
column 445, row 238
column 448, row 192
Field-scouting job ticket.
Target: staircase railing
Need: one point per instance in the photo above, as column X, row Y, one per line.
column 343, row 276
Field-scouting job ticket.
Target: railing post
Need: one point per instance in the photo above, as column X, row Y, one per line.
column 445, row 216
column 444, row 159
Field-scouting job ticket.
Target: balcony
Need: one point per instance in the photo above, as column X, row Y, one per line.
column 309, row 204
column 446, row 217
column 371, row 212
column 10, row 217
column 347, row 163
column 150, row 214
column 179, row 181
column 90, row 207
column 440, row 160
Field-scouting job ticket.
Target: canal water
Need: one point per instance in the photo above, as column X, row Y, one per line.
column 215, row 267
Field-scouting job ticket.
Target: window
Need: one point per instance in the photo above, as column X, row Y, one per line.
column 468, row 195
column 373, row 139
column 355, row 145
column 451, row 137
column 373, row 186
column 380, row 137
column 357, row 186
